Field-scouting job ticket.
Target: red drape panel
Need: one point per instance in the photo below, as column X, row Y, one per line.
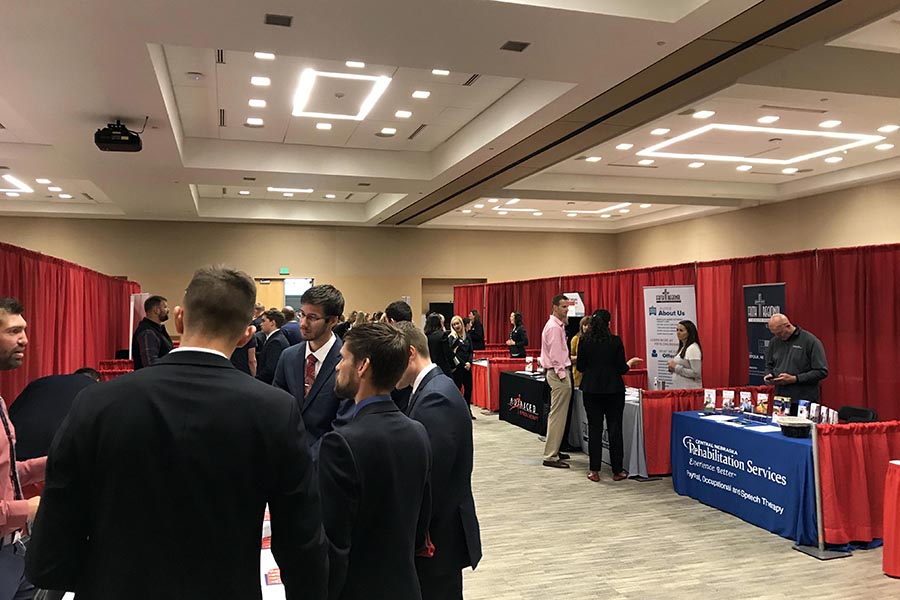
column 720, row 308
column 501, row 299
column 853, row 461
column 467, row 298
column 76, row 316
column 858, row 321
column 480, row 390
column 657, row 407
column 535, row 299
column 496, row 366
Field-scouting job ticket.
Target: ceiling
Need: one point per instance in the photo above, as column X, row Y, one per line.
column 346, row 138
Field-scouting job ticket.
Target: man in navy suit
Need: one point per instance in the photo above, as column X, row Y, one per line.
column 274, row 344
column 291, row 327
column 307, row 369
column 437, row 404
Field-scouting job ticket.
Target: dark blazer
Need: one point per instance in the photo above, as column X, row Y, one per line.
column 291, row 331
column 439, row 348
column 520, row 337
column 373, row 478
column 341, row 329
column 158, row 481
column 320, row 407
column 40, row 409
column 267, row 359
column 439, row 406
column 602, row 365
column 477, row 335
column 462, row 351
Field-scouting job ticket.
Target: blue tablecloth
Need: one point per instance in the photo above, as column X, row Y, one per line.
column 763, row 478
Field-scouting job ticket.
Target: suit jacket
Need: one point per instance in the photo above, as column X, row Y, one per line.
column 439, row 406
column 602, row 365
column 158, row 481
column 40, row 409
column 320, row 408
column 439, row 348
column 520, row 337
column 267, row 361
column 291, row 331
column 373, row 478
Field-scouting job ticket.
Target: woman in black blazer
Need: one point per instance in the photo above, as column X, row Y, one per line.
column 518, row 337
column 601, row 359
column 461, row 346
column 439, row 343
column 477, row 332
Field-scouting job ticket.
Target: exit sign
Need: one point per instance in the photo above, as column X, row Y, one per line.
column 284, row 271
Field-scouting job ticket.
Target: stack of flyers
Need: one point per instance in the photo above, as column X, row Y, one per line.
column 746, row 402
column 816, row 412
column 781, row 407
column 762, row 403
column 709, row 400
column 803, row 409
column 728, row 401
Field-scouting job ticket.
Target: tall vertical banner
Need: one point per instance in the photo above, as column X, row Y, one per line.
column 761, row 302
column 664, row 307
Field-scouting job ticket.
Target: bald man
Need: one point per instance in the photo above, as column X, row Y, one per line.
column 795, row 361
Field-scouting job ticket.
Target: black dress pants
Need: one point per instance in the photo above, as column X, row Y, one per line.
column 447, row 586
column 611, row 407
column 462, row 377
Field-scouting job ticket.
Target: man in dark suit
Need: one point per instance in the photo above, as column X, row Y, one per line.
column 158, row 480
column 291, row 328
column 275, row 343
column 399, row 312
column 438, row 405
column 307, row 369
column 373, row 475
column 41, row 408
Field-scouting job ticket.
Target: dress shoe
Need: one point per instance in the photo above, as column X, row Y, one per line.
column 564, row 456
column 593, row 476
column 620, row 476
column 556, row 464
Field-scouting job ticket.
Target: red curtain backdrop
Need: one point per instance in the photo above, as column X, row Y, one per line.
column 468, row 297
column 500, row 300
column 76, row 317
column 535, row 299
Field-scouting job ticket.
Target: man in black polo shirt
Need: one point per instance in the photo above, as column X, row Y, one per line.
column 795, row 361
column 151, row 341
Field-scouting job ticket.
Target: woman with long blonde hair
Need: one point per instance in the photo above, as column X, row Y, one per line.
column 461, row 346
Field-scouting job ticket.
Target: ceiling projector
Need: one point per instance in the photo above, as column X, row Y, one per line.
column 115, row 137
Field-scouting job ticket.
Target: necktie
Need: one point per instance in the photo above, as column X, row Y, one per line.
column 13, row 473
column 309, row 375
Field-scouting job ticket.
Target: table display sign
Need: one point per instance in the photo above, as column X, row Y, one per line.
column 664, row 307
column 761, row 302
column 524, row 401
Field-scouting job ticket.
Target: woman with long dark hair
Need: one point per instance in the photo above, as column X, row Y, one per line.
column 601, row 359
column 685, row 367
column 476, row 334
column 518, row 337
column 439, row 343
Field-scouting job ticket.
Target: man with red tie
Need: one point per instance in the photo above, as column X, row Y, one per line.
column 307, row 369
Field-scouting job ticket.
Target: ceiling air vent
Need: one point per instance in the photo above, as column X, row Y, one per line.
column 224, row 191
column 221, row 117
column 817, row 111
column 364, row 184
column 2, row 126
column 417, row 131
column 220, row 57
column 471, row 80
column 348, row 196
column 279, row 20
column 249, row 178
column 88, row 196
column 514, row 46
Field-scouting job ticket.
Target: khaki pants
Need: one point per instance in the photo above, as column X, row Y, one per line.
column 560, row 396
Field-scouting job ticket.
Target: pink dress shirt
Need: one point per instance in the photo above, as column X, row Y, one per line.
column 14, row 513
column 554, row 349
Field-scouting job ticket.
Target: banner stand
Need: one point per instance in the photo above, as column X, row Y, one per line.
column 819, row 551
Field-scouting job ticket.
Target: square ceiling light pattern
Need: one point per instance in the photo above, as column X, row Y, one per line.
column 317, row 91
column 756, row 145
column 17, row 185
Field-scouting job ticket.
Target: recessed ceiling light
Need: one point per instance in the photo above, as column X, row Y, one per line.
column 884, row 146
column 264, row 55
column 512, row 201
column 20, row 186
column 66, row 196
column 288, row 194
column 790, row 170
column 290, row 190
column 388, row 131
column 696, row 165
column 12, row 194
column 829, row 124
column 355, row 64
column 260, row 81
column 502, row 212
column 492, row 200
column 478, row 206
column 330, row 196
column 54, row 189
column 572, row 215
column 624, row 146
column 256, row 103
column 745, row 167
column 704, row 114
column 537, row 214
column 594, row 158
column 244, row 192
column 467, row 211
column 834, row 159
column 43, row 181
column 645, row 162
column 885, row 129
column 768, row 119
column 660, row 131
column 605, row 216
column 441, row 72
column 421, row 94
column 646, row 205
column 624, row 211
column 323, row 126
column 403, row 114
column 254, row 122
column 308, row 80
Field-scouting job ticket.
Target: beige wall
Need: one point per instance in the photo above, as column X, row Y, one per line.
column 372, row 267
column 857, row 217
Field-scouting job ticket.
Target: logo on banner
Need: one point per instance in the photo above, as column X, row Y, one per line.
column 665, row 296
column 729, row 458
column 652, row 311
column 525, row 409
column 759, row 308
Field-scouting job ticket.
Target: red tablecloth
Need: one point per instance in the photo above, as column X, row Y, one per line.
column 636, row 378
column 891, row 558
column 106, row 375
column 116, row 365
column 480, row 390
column 502, row 353
column 853, row 462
